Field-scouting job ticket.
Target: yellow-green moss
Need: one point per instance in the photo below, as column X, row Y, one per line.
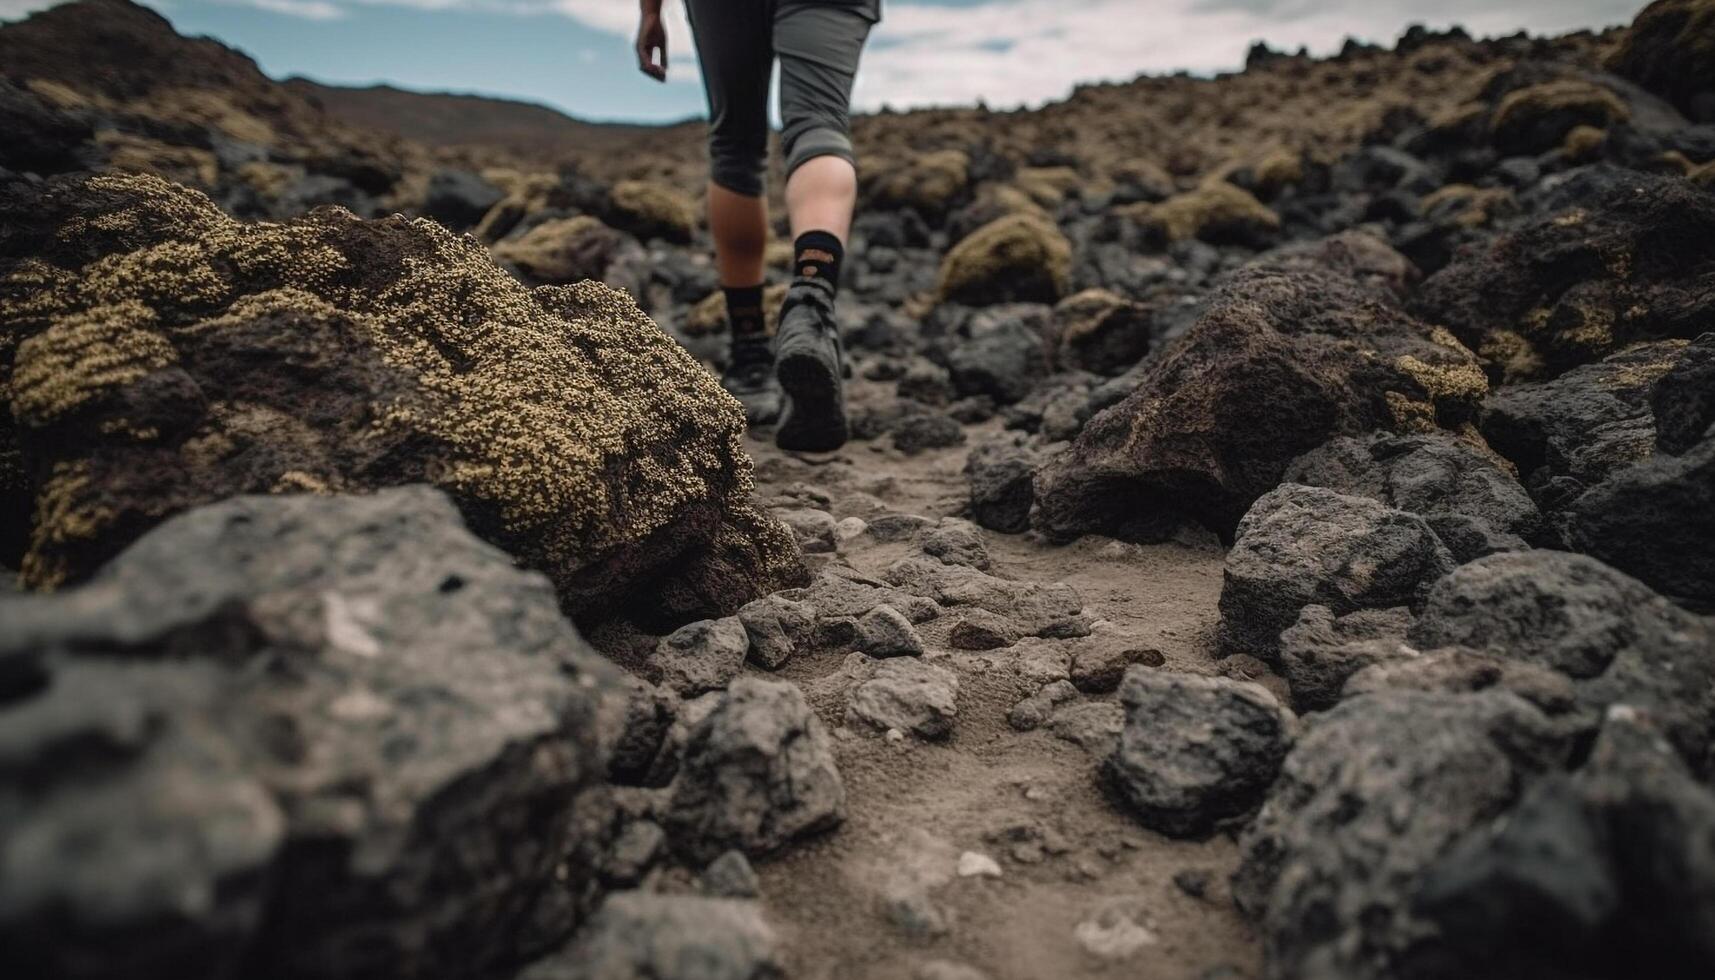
column 557, row 251
column 649, row 208
column 930, row 182
column 1018, row 256
column 1215, row 210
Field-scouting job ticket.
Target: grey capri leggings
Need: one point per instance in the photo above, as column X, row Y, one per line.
column 818, row 43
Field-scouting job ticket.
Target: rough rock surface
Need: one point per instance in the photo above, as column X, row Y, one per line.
column 758, row 774
column 1016, row 258
column 909, row 695
column 1320, row 651
column 643, row 936
column 1332, row 862
column 1668, row 50
column 1571, row 286
column 1301, row 546
column 1683, row 402
column 1474, row 505
column 701, row 657
column 1617, row 640
column 272, row 734
column 1280, row 361
column 1195, row 750
column 332, row 354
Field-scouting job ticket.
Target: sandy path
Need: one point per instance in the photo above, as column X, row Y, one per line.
column 853, row 904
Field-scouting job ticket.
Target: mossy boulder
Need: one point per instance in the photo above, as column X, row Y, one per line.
column 567, row 250
column 930, row 184
column 1670, row 50
column 649, row 209
column 1217, row 212
column 1537, row 118
column 708, row 316
column 157, row 355
column 1017, row 258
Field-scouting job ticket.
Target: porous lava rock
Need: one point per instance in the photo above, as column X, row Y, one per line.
column 298, row 736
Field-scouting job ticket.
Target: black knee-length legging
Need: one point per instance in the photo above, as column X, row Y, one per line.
column 818, row 43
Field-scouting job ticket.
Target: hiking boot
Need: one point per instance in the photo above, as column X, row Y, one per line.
column 749, row 377
column 809, row 362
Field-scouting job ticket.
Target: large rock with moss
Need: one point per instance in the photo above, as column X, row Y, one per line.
column 1536, row 118
column 158, row 355
column 298, row 736
column 1632, row 260
column 568, row 250
column 1670, row 49
column 649, row 209
column 930, row 184
column 1217, row 212
column 1020, row 257
column 1285, row 356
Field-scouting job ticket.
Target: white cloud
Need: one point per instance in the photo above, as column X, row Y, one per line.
column 307, row 9
column 17, row 9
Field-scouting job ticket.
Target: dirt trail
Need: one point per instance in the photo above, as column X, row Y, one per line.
column 1083, row 890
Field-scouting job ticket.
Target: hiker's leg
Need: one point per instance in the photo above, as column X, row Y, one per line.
column 819, row 46
column 736, row 54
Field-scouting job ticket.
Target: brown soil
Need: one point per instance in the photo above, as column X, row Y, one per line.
column 1031, row 801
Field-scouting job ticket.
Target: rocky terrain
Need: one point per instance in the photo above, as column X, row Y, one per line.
column 1279, row 539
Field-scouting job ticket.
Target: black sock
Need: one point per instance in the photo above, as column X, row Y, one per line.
column 818, row 257
column 744, row 310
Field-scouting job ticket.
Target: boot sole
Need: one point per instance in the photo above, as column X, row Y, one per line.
column 813, row 419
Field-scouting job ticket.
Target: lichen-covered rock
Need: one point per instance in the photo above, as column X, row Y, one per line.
column 1282, row 359
column 1474, row 505
column 1612, row 635
column 1536, row 118
column 568, row 250
column 649, row 209
column 1195, row 750
column 296, row 735
column 1670, row 49
column 1302, row 546
column 1018, row 258
column 758, row 774
column 1624, row 264
column 1373, row 793
column 1217, row 212
column 639, row 935
column 160, row 355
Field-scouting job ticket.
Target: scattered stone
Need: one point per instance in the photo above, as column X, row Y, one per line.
column 947, row 970
column 957, row 543
column 1113, row 934
column 1683, row 402
column 1453, row 671
column 1100, row 331
column 1194, row 882
column 920, row 431
column 1093, row 726
column 701, row 657
column 731, row 876
column 884, row 632
column 758, row 774
column 1001, row 491
column 909, row 695
column 1043, row 662
column 649, row 712
column 1039, row 609
column 1306, row 545
column 814, row 529
column 645, row 936
column 973, row 864
column 1244, row 667
column 776, row 627
column 1195, row 750
column 979, row 629
column 1098, row 669
column 1034, row 711
column 637, row 849
column 1000, row 357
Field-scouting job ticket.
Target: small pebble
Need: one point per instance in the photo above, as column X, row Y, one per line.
column 972, row 864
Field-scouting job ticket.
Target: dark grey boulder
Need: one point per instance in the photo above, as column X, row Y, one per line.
column 1321, row 650
column 1195, row 750
column 776, row 626
column 1453, row 671
column 1475, row 506
column 296, row 736
column 639, row 935
column 1300, row 546
column 1654, row 520
column 1616, row 639
column 459, row 198
column 758, row 774
column 1001, row 353
column 702, row 656
column 1000, row 474
column 1684, row 399
column 1375, row 790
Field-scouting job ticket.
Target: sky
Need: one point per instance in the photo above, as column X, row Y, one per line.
column 575, row 55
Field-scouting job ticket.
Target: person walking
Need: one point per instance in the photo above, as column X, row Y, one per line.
column 798, row 378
